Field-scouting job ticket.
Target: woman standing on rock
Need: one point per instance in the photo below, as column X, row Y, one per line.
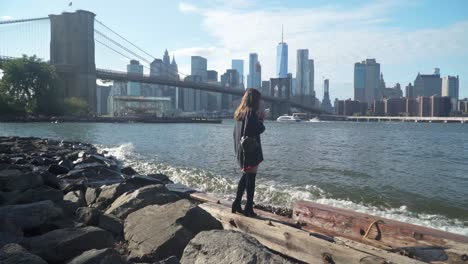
column 248, row 147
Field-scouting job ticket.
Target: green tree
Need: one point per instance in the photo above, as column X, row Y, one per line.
column 32, row 84
column 76, row 106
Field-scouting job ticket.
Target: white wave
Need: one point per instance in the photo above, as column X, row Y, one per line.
column 272, row 193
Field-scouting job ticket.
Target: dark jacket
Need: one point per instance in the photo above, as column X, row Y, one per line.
column 254, row 127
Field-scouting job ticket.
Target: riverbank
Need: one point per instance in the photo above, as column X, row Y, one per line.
column 64, row 202
column 100, row 119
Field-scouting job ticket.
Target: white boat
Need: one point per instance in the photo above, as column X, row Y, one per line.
column 286, row 118
column 314, row 120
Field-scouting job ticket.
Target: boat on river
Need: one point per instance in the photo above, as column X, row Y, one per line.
column 287, row 118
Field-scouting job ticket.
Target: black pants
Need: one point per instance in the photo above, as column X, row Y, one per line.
column 246, row 183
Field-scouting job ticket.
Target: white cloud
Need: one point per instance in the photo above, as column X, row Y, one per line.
column 336, row 38
column 187, row 8
column 195, row 51
column 3, row 18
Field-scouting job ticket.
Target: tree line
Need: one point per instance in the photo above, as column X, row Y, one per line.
column 30, row 86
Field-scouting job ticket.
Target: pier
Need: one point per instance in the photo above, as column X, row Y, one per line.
column 415, row 119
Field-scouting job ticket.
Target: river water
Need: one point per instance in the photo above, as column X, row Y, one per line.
column 412, row 172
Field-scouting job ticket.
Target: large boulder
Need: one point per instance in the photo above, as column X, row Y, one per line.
column 98, row 256
column 111, row 223
column 91, row 195
column 131, row 201
column 160, row 231
column 42, row 193
column 32, row 215
column 62, row 244
column 88, row 216
column 16, row 254
column 72, row 201
column 15, row 180
column 222, row 246
column 58, row 169
column 109, row 193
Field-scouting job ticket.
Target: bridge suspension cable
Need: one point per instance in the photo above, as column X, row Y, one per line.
column 4, row 22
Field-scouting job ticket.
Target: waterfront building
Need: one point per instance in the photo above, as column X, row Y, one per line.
column 395, row 106
column 428, row 84
column 366, row 80
column 229, row 80
column 463, row 106
column 409, row 91
column 339, row 107
column 134, row 68
column 199, row 68
column 411, row 107
column 282, row 58
column 238, row 65
column 311, row 79
column 132, row 106
column 255, row 72
column 326, row 104
column 450, row 88
column 168, row 69
column 353, row 107
column 440, row 106
column 424, row 106
column 192, row 98
column 378, row 107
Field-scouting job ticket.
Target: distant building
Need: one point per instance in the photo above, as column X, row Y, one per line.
column 326, row 104
column 167, row 69
column 255, row 72
column 199, row 67
column 378, row 107
column 339, row 107
column 390, row 93
column 191, row 97
column 395, row 106
column 302, row 73
column 102, row 98
column 212, row 76
column 450, row 88
column 440, row 106
column 229, row 80
column 428, row 85
column 134, row 68
column 463, row 106
column 409, row 91
column 350, row 107
column 411, row 107
column 282, row 58
column 311, row 78
column 238, row 65
column 366, row 80
column 424, row 106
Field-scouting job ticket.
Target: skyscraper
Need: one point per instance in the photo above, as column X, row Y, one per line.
column 311, row 78
column 450, row 88
column 282, row 58
column 302, row 86
column 254, row 78
column 199, row 68
column 134, row 67
column 229, row 79
column 326, row 104
column 366, row 80
column 428, row 84
column 238, row 65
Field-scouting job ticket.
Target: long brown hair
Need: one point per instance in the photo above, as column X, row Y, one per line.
column 250, row 102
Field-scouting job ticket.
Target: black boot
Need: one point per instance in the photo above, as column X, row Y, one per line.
column 236, row 205
column 250, row 186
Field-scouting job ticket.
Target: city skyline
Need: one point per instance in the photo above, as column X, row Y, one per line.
column 410, row 42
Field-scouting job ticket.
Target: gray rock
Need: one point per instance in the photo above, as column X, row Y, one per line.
column 69, row 185
column 161, row 177
column 63, row 244
column 91, row 195
column 99, row 256
column 223, row 246
column 111, row 223
column 169, row 260
column 16, row 254
column 89, row 166
column 32, row 215
column 178, row 222
column 131, row 201
column 14, row 180
column 57, row 169
column 180, row 189
column 111, row 192
column 66, row 163
column 75, row 197
column 141, row 180
column 37, row 194
column 50, row 179
column 128, row 171
column 87, row 215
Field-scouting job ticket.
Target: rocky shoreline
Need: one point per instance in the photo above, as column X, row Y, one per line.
column 65, row 202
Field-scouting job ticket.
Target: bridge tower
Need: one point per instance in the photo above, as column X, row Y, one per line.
column 72, row 53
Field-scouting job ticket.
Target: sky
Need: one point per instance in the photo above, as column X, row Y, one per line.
column 405, row 37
